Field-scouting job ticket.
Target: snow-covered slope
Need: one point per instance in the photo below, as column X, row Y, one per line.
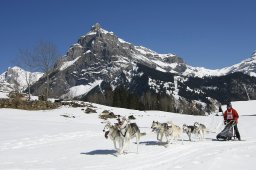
column 47, row 140
column 15, row 77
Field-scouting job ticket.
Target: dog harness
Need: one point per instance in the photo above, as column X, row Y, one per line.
column 125, row 131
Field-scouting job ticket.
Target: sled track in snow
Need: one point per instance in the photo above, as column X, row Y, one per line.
column 186, row 156
column 45, row 139
column 191, row 155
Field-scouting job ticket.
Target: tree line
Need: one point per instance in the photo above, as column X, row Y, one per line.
column 121, row 97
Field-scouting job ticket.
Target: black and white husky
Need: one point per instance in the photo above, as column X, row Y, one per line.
column 169, row 130
column 159, row 128
column 127, row 132
column 202, row 128
column 122, row 134
column 195, row 129
column 173, row 132
column 113, row 133
column 189, row 130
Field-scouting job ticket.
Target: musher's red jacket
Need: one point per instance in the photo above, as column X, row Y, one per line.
column 231, row 114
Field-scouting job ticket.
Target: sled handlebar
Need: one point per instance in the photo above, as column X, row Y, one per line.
column 230, row 122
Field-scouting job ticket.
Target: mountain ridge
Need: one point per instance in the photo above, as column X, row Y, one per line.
column 177, row 64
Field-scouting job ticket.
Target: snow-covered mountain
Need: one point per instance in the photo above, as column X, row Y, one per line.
column 104, row 68
column 247, row 66
column 15, row 79
column 101, row 55
column 162, row 62
column 132, row 54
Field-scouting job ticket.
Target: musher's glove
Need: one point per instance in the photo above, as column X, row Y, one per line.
column 225, row 122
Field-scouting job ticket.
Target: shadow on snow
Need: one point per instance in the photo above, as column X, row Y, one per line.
column 100, row 152
column 151, row 143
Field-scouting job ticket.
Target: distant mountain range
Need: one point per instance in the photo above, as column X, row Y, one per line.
column 15, row 78
column 104, row 68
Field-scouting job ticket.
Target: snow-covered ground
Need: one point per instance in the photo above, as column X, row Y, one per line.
column 48, row 140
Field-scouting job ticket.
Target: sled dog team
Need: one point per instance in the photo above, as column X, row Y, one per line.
column 174, row 132
column 122, row 132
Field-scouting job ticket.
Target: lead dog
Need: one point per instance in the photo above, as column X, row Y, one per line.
column 113, row 133
column 127, row 132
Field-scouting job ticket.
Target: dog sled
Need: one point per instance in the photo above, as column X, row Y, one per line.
column 228, row 132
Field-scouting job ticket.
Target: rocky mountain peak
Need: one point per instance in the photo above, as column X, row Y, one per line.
column 96, row 27
column 97, row 30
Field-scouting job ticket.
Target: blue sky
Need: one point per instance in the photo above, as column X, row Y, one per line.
column 208, row 33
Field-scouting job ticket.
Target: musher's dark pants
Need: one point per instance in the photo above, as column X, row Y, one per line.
column 236, row 131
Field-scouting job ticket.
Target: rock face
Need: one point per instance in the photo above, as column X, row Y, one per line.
column 105, row 69
column 101, row 55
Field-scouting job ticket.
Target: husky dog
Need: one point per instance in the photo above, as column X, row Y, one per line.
column 112, row 132
column 202, row 128
column 160, row 129
column 127, row 132
column 190, row 129
column 174, row 132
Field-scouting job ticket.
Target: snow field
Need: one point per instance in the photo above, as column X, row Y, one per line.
column 47, row 140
